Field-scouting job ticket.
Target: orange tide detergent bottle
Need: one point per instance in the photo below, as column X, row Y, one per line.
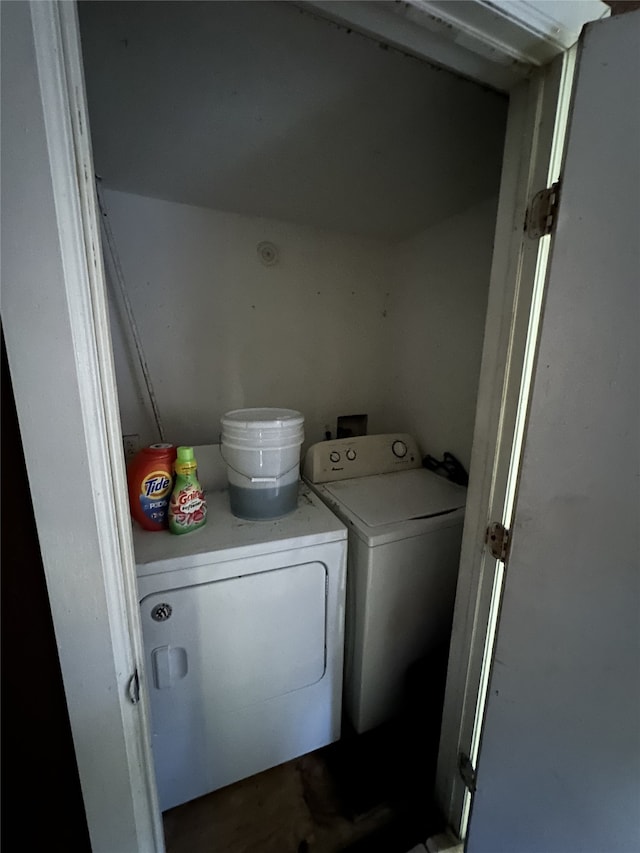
column 150, row 482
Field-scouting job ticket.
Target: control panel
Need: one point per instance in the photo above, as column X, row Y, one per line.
column 360, row 456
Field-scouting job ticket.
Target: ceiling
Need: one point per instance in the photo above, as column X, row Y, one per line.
column 264, row 109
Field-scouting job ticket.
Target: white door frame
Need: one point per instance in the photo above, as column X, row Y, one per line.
column 91, row 572
column 55, row 321
column 534, row 145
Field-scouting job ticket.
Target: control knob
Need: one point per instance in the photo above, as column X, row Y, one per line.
column 399, row 448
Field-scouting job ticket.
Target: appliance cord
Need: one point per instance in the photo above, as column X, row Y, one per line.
column 119, row 277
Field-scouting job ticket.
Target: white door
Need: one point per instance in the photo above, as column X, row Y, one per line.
column 559, row 763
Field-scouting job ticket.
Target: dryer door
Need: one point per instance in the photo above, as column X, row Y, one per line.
column 228, row 661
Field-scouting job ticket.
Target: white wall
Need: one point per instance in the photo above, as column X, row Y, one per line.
column 341, row 325
column 220, row 330
column 438, row 308
column 260, row 108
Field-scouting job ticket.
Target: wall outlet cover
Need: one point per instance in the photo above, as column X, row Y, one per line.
column 350, row 425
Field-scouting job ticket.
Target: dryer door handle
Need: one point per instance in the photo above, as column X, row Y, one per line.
column 169, row 664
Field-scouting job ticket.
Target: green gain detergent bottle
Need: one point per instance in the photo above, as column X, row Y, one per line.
column 187, row 507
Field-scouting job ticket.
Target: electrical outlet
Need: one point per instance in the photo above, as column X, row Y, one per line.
column 131, row 444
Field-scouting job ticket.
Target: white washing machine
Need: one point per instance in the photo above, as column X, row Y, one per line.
column 405, row 530
column 243, row 627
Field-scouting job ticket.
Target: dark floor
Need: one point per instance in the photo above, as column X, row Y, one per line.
column 364, row 794
column 368, row 793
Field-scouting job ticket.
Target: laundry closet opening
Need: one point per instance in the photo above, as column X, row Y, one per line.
column 303, row 218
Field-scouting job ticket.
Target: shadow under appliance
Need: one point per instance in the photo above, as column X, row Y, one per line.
column 243, row 629
column 405, row 531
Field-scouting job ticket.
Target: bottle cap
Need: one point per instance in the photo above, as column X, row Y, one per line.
column 185, row 454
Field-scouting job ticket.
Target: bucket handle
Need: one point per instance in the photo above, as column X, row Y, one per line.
column 256, row 479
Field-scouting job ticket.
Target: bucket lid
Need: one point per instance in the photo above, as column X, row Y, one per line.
column 264, row 418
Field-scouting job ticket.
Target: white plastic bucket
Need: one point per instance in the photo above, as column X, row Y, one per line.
column 261, row 449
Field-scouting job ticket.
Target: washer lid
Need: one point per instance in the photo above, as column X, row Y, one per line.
column 400, row 496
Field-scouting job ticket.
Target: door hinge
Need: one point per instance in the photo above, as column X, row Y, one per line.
column 467, row 772
column 498, row 539
column 541, row 214
column 133, row 688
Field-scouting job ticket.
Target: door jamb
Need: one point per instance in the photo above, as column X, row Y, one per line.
column 534, row 147
column 115, row 636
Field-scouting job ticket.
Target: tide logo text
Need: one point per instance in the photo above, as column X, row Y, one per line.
column 156, row 485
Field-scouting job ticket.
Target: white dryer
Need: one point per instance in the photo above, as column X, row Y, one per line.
column 243, row 627
column 405, row 530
